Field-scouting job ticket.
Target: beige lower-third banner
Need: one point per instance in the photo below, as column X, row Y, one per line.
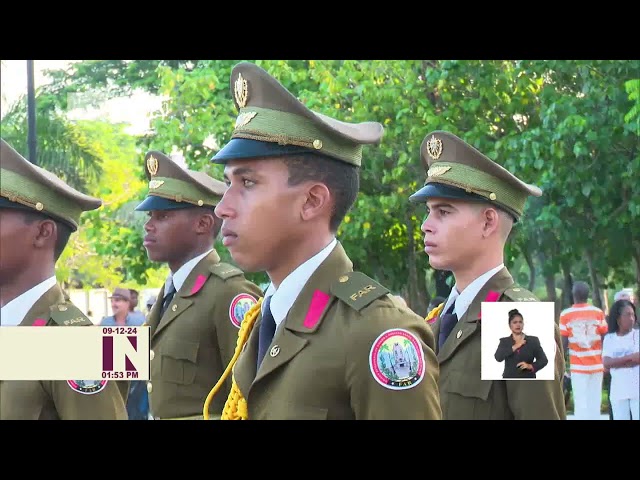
column 81, row 352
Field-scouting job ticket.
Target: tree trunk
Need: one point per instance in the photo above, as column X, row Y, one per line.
column 550, row 285
column 417, row 285
column 532, row 270
column 567, row 293
column 549, row 279
column 595, row 287
column 636, row 257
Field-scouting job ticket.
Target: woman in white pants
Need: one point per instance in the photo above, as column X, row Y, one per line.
column 621, row 355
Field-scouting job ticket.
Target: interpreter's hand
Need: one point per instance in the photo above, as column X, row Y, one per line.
column 525, row 366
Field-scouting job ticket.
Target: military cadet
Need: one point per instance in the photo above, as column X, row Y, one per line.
column 473, row 203
column 38, row 213
column 194, row 324
column 326, row 342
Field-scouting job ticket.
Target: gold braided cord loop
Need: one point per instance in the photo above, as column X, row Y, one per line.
column 434, row 313
column 235, row 408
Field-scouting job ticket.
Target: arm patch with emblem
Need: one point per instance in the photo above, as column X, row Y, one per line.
column 357, row 290
column 68, row 315
column 225, row 271
column 519, row 294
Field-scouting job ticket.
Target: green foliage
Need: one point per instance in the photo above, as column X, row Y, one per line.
column 570, row 127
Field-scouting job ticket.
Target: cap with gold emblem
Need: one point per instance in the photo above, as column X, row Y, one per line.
column 457, row 170
column 26, row 186
column 172, row 187
column 273, row 122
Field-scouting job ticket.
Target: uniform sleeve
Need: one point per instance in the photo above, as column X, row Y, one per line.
column 391, row 368
column 540, row 399
column 106, row 404
column 504, row 350
column 238, row 295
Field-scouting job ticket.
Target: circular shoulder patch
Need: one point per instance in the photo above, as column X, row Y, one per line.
column 239, row 306
column 87, row 387
column 397, row 360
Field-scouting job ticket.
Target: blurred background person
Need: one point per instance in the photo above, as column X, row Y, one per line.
column 135, row 313
column 621, row 355
column 121, row 307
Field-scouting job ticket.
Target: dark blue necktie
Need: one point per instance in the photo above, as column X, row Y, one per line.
column 168, row 296
column 267, row 330
column 447, row 322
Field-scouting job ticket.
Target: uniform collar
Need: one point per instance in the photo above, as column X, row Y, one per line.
column 183, row 272
column 16, row 310
column 285, row 296
column 464, row 299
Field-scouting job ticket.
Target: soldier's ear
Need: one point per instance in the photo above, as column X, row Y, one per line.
column 491, row 221
column 45, row 233
column 205, row 223
column 317, row 202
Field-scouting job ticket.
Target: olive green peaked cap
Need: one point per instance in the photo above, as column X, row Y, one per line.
column 273, row 122
column 172, row 187
column 455, row 169
column 26, row 186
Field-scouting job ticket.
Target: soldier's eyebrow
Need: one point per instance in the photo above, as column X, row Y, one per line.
column 433, row 205
column 237, row 171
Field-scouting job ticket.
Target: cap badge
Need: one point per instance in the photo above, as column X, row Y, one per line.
column 152, row 165
column 434, row 147
column 437, row 171
column 244, row 118
column 241, row 91
column 155, row 183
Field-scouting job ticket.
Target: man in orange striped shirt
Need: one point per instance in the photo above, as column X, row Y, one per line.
column 582, row 327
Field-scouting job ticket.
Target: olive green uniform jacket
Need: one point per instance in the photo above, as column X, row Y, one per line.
column 464, row 396
column 192, row 344
column 56, row 400
column 335, row 354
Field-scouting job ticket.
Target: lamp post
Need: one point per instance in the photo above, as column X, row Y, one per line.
column 31, row 113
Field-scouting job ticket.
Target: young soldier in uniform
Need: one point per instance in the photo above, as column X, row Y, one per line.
column 329, row 343
column 194, row 324
column 38, row 213
column 473, row 203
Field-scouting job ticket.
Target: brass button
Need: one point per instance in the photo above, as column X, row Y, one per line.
column 492, row 196
column 200, row 203
column 178, row 198
column 317, row 144
column 149, row 387
column 274, row 351
column 152, row 354
column 62, row 308
column 459, row 334
column 39, row 206
column 174, row 308
column 343, row 279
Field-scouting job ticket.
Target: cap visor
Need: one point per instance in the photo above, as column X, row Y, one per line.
column 159, row 203
column 244, row 148
column 440, row 190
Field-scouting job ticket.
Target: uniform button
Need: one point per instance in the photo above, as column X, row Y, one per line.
column 149, row 387
column 151, row 354
column 174, row 308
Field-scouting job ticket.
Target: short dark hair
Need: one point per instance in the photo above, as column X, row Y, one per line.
column 580, row 291
column 64, row 231
column 615, row 312
column 514, row 313
column 342, row 180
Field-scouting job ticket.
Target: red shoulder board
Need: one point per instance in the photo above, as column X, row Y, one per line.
column 318, row 302
column 198, row 284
